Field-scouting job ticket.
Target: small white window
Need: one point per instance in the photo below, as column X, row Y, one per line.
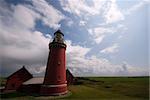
column 59, row 62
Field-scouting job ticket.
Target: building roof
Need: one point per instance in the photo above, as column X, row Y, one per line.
column 40, row 80
column 23, row 69
column 35, row 80
column 58, row 31
column 68, row 72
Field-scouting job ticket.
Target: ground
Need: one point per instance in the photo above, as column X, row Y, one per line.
column 124, row 88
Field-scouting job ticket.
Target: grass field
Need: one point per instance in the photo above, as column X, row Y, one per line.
column 103, row 88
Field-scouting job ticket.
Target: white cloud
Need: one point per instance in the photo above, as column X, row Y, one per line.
column 82, row 23
column 111, row 49
column 76, row 50
column 79, row 7
column 20, row 43
column 24, row 16
column 136, row 7
column 99, row 33
column 107, row 9
column 82, row 65
column 112, row 13
column 50, row 15
column 37, row 70
column 102, row 30
column 69, row 22
column 99, row 39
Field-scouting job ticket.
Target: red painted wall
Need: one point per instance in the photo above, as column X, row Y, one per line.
column 55, row 77
column 16, row 79
column 53, row 90
column 13, row 83
column 56, row 71
column 31, row 88
column 70, row 77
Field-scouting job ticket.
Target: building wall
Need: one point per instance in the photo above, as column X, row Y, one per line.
column 16, row 79
column 30, row 88
column 13, row 83
column 56, row 71
column 70, row 77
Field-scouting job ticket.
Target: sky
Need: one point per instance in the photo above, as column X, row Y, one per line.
column 103, row 37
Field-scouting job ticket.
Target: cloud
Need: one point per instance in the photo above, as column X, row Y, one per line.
column 111, row 49
column 20, row 43
column 113, row 13
column 81, row 64
column 73, row 51
column 26, row 14
column 136, row 7
column 49, row 15
column 99, row 39
column 37, row 70
column 78, row 7
column 82, row 23
column 99, row 33
column 69, row 22
column 107, row 9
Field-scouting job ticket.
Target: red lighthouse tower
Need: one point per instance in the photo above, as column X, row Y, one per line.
column 55, row 77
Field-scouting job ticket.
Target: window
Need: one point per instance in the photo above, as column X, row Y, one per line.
column 58, row 78
column 59, row 63
column 58, row 38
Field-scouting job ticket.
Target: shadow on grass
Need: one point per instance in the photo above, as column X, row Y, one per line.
column 12, row 95
column 30, row 96
column 86, row 80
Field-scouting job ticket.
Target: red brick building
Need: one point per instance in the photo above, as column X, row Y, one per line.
column 32, row 84
column 70, row 77
column 15, row 80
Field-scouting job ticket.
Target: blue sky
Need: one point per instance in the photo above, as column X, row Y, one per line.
column 103, row 37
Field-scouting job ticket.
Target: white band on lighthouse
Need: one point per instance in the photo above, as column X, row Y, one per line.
column 60, row 85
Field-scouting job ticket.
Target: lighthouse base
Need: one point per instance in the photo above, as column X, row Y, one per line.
column 53, row 90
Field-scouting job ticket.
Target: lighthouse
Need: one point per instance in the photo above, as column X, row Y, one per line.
column 55, row 77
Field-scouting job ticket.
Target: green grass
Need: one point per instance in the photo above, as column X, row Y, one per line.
column 121, row 88
column 112, row 87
